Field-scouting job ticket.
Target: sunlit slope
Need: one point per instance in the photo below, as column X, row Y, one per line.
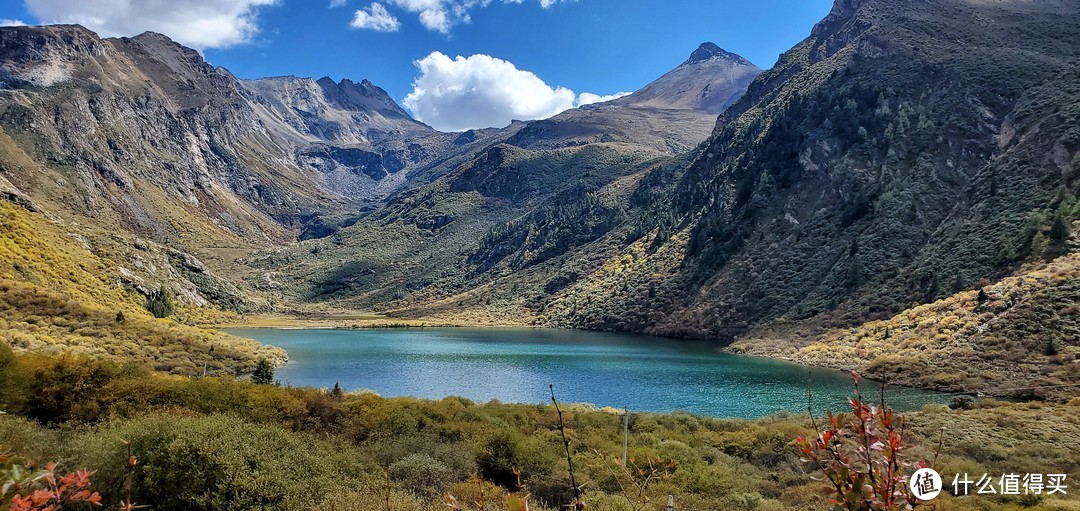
column 72, row 289
column 1018, row 337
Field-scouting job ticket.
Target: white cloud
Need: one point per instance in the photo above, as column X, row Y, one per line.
column 200, row 24
column 12, row 23
column 440, row 15
column 588, row 98
column 482, row 92
column 337, row 3
column 375, row 18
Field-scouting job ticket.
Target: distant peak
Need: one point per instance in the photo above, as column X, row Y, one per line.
column 709, row 51
column 326, row 81
column 152, row 36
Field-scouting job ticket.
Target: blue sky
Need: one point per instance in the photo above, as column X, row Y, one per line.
column 596, row 46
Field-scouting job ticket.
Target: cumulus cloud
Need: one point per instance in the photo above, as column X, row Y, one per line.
column 200, row 24
column 482, row 91
column 440, row 15
column 375, row 18
column 11, row 23
column 337, row 3
column 588, row 98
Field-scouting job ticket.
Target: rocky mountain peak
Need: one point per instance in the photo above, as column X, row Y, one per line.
column 842, row 10
column 49, row 45
column 708, row 82
column 361, row 96
column 709, row 51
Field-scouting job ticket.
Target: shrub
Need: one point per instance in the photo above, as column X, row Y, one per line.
column 216, row 462
column 962, row 402
column 862, row 457
column 421, row 474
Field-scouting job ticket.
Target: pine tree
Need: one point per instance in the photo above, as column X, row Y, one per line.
column 337, row 392
column 934, row 289
column 264, row 373
column 160, row 303
column 1059, row 229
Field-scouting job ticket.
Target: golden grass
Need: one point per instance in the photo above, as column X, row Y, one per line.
column 1021, row 340
column 59, row 293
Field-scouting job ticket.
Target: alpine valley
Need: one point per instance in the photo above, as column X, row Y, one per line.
column 897, row 195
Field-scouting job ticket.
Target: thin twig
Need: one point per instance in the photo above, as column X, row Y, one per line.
column 941, row 443
column 566, row 444
column 387, row 470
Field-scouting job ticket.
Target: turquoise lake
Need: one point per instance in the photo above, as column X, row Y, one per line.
column 516, row 365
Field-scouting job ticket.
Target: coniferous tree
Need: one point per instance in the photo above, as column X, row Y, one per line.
column 933, row 289
column 160, row 303
column 1059, row 229
column 264, row 373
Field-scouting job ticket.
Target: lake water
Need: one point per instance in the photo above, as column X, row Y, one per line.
column 516, row 365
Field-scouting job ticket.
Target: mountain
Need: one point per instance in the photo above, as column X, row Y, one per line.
column 896, row 157
column 674, row 113
column 709, row 81
column 461, row 224
column 342, row 113
column 197, row 182
column 142, row 134
column 353, row 136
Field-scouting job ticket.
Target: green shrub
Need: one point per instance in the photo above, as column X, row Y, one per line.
column 421, row 474
column 216, row 462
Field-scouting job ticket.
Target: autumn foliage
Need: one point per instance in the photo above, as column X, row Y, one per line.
column 862, row 456
column 27, row 489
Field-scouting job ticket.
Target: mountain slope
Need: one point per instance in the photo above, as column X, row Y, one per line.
column 892, row 157
column 72, row 289
column 136, row 132
column 1019, row 337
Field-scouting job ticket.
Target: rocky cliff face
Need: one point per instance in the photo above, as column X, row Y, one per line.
column 137, row 131
column 322, row 111
column 142, row 130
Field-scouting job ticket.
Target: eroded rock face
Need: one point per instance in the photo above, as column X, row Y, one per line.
column 111, row 119
column 842, row 11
